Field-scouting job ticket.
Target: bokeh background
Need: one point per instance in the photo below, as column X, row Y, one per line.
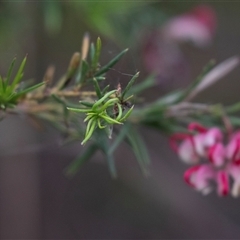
column 36, row 199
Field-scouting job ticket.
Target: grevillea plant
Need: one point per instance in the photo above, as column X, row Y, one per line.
column 82, row 107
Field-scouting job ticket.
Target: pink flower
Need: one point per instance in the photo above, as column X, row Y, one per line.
column 197, row 26
column 161, row 51
column 219, row 161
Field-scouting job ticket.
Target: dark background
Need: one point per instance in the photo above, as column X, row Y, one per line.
column 37, row 200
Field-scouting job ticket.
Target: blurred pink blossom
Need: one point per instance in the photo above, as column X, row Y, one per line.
column 214, row 162
column 161, row 52
column 197, row 26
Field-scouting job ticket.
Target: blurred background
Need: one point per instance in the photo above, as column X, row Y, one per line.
column 173, row 39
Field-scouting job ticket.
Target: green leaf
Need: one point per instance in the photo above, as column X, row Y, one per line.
column 30, row 89
column 74, row 167
column 84, row 68
column 104, row 91
column 111, row 165
column 109, row 103
column 97, row 88
column 10, row 72
column 89, row 133
column 92, row 51
column 139, row 150
column 198, row 80
column 101, row 100
column 103, row 144
column 109, row 119
column 63, row 103
column 127, row 114
column 120, row 137
column 147, row 83
column 100, row 78
column 97, row 54
column 129, row 85
column 86, row 104
column 168, row 99
column 111, row 63
column 81, row 110
column 19, row 74
column 120, row 112
column 2, row 85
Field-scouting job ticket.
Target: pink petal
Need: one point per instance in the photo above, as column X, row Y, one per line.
column 185, row 29
column 206, row 15
column 216, row 154
column 212, row 136
column 199, row 176
column 233, row 150
column 197, row 26
column 187, row 152
column 222, row 183
column 234, row 171
column 188, row 174
column 199, row 144
column 196, row 126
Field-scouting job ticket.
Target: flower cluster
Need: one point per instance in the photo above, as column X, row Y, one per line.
column 216, row 160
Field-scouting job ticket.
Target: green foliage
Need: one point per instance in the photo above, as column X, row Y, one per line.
column 10, row 91
column 102, row 114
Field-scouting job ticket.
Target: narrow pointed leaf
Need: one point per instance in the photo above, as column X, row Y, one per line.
column 63, row 103
column 97, row 88
column 119, row 137
column 217, row 73
column 19, row 74
column 119, row 115
column 81, row 110
column 198, row 80
column 139, row 150
column 83, row 70
column 147, row 83
column 2, row 85
column 101, row 100
column 90, row 132
column 9, row 74
column 97, row 54
column 105, row 89
column 86, row 104
column 27, row 90
column 92, row 51
column 75, row 166
column 103, row 143
column 111, row 63
column 124, row 118
column 129, row 85
column 109, row 120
